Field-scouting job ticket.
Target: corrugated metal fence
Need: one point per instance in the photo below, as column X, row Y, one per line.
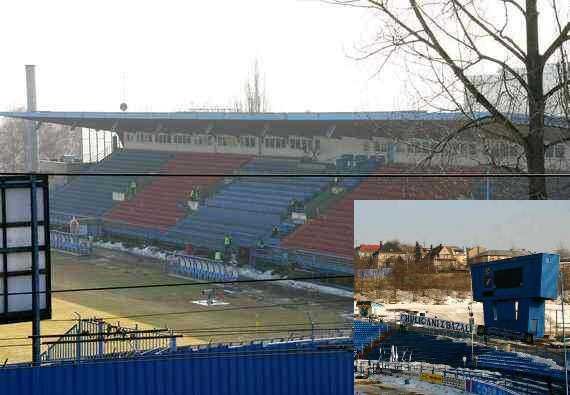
column 279, row 372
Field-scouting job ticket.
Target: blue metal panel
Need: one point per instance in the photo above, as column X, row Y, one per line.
column 539, row 277
column 513, row 291
column 209, row 372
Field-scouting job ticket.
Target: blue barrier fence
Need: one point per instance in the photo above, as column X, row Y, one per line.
column 200, row 268
column 72, row 243
column 487, row 388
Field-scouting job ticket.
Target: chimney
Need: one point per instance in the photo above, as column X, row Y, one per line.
column 31, row 134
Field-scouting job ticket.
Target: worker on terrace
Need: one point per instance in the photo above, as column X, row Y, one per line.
column 275, row 231
column 227, row 244
column 260, row 244
column 292, row 205
column 131, row 189
column 297, row 207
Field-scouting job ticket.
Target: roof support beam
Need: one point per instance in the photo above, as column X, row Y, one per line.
column 331, row 131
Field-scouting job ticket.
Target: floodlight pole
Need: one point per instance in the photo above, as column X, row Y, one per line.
column 36, row 340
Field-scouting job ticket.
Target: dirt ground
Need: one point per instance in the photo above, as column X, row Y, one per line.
column 243, row 318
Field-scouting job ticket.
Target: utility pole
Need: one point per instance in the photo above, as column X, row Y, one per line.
column 472, row 324
column 564, row 331
column 312, row 325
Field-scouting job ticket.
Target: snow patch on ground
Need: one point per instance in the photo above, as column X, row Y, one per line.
column 414, row 386
column 148, row 251
column 155, row 253
column 255, row 274
column 205, row 302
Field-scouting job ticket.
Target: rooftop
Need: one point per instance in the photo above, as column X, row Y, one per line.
column 329, row 124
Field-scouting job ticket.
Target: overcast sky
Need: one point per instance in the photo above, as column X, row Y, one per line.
column 177, row 55
column 189, row 54
column 181, row 54
column 534, row 225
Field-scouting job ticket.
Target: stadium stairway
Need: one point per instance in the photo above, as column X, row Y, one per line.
column 162, row 203
column 249, row 207
column 92, row 196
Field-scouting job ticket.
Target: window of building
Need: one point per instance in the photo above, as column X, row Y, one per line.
column 130, row 136
column 163, row 139
column 221, row 140
column 556, row 151
column 247, row 141
column 472, row 149
column 300, row 143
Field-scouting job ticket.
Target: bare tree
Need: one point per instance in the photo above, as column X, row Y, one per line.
column 12, row 145
column 255, row 99
column 54, row 142
column 449, row 44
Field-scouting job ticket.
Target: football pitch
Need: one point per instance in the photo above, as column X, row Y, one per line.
column 248, row 311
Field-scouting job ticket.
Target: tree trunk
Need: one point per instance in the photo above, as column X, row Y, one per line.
column 534, row 144
column 535, row 164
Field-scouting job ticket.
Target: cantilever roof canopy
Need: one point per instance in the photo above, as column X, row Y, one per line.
column 331, row 124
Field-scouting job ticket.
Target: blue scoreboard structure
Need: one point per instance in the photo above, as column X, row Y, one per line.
column 513, row 291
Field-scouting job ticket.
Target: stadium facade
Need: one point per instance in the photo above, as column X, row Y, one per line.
column 400, row 137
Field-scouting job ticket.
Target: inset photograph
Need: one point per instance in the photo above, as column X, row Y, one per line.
column 461, row 296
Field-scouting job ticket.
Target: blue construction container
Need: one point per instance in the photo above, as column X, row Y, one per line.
column 222, row 371
column 513, row 291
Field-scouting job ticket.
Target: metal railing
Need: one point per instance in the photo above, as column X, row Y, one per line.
column 71, row 243
column 200, row 268
column 463, row 379
column 95, row 338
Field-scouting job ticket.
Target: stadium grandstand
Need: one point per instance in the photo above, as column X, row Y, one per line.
column 249, row 168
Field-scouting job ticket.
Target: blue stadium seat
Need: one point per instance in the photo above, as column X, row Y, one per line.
column 249, row 207
column 92, row 196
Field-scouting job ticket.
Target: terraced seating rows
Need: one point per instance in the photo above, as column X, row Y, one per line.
column 92, row 196
column 336, row 225
column 513, row 363
column 163, row 202
column 248, row 208
column 365, row 333
column 432, row 349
